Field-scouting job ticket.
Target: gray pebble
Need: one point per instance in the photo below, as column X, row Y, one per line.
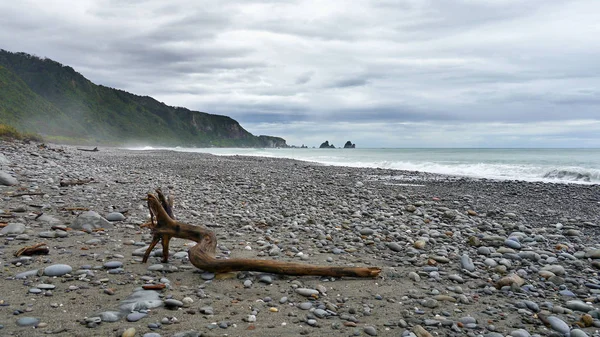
column 115, row 216
column 135, row 316
column 307, row 292
column 113, row 264
column 305, row 305
column 57, row 270
column 520, row 333
column 7, row 180
column 370, row 330
column 172, row 303
column 28, row 321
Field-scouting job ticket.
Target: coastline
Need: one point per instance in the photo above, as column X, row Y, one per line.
column 578, row 166
column 417, row 226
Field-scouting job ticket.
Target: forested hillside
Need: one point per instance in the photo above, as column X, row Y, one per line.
column 41, row 95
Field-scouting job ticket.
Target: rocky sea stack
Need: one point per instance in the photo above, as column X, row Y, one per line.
column 326, row 145
column 349, row 145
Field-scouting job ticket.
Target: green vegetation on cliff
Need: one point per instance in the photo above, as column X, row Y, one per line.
column 43, row 96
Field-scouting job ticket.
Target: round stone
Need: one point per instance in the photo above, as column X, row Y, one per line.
column 305, row 305
column 113, row 264
column 110, row 316
column 207, row 276
column 512, row 244
column 307, row 292
column 320, row 313
column 115, row 216
column 135, row 316
column 57, row 270
column 366, row 231
column 172, row 303
column 371, row 331
column 28, row 321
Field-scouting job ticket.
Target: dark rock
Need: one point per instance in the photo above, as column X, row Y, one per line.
column 349, row 145
column 326, row 145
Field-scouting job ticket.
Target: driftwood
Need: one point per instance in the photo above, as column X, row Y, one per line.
column 65, row 183
column 88, row 150
column 20, row 194
column 75, row 209
column 38, row 249
column 202, row 255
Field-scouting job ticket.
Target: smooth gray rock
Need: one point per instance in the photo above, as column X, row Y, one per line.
column 366, row 231
column 512, row 244
column 305, row 305
column 141, row 300
column 579, row 306
column 48, row 234
column 4, row 160
column 7, row 180
column 91, row 219
column 557, row 269
column 113, row 264
column 370, row 330
column 394, row 246
column 13, row 228
column 57, row 270
column 135, row 316
column 467, row 263
column 593, row 254
column 48, row 219
column 28, row 321
column 173, row 303
column 115, row 216
column 27, row 274
column 207, row 310
column 110, row 316
column 558, row 325
column 320, row 313
column 520, row 333
column 307, row 292
column 579, row 333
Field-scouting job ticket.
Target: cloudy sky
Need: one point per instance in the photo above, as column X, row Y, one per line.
column 390, row 73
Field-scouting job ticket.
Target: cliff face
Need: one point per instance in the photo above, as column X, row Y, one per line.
column 271, row 141
column 77, row 109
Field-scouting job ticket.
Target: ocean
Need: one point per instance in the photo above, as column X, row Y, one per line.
column 581, row 166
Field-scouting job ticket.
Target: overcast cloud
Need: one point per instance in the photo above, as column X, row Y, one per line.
column 402, row 73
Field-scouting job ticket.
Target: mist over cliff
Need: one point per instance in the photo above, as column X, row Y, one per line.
column 43, row 96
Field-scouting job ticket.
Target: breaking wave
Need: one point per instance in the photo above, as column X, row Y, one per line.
column 573, row 175
column 555, row 165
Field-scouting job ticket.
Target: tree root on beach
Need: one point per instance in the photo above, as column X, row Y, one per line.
column 164, row 227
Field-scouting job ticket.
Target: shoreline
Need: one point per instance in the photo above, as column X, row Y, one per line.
column 443, row 245
column 492, row 169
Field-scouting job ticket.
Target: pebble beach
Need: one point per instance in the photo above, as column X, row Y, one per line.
column 460, row 256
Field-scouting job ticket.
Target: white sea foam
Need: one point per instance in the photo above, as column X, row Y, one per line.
column 547, row 165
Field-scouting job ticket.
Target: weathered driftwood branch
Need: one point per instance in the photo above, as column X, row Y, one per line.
column 20, row 194
column 38, row 249
column 88, row 150
column 65, row 183
column 202, row 255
